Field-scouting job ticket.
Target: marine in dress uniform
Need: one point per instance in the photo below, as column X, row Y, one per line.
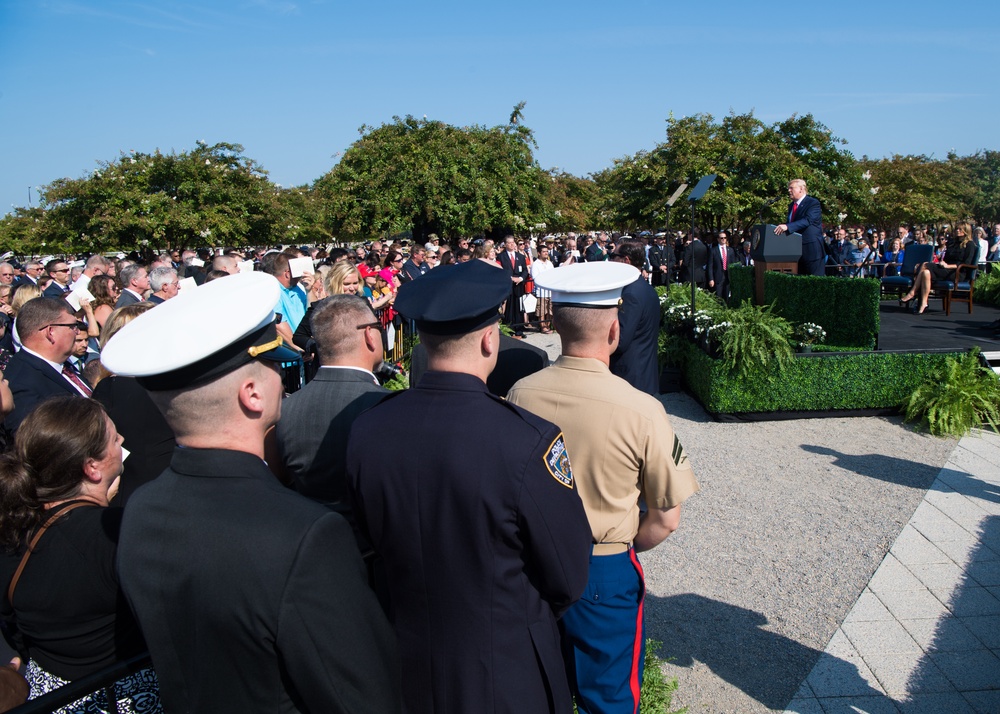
column 484, row 541
column 624, row 451
column 251, row 597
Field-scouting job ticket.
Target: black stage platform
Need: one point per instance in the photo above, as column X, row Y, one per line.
column 902, row 330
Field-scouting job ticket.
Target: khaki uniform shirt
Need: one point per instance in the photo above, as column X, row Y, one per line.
column 619, row 440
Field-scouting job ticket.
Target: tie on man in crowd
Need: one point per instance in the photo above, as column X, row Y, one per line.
column 718, row 266
column 47, row 329
column 484, row 540
column 636, row 358
column 135, row 282
column 164, row 283
column 311, row 438
column 805, row 217
column 58, row 270
column 516, row 268
column 624, row 452
column 251, row 597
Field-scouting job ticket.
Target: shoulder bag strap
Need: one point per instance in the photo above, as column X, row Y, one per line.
column 34, row 541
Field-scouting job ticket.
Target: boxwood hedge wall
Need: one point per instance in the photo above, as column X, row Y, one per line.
column 846, row 308
column 868, row 380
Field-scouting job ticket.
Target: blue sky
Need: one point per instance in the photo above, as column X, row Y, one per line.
column 292, row 80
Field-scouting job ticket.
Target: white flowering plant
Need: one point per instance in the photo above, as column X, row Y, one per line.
column 809, row 333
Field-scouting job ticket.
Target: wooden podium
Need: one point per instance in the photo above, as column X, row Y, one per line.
column 773, row 252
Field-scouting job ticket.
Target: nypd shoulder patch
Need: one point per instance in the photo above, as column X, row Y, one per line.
column 557, row 462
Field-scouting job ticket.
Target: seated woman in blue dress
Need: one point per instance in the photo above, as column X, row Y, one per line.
column 892, row 259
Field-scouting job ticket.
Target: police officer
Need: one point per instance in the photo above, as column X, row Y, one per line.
column 624, row 450
column 251, row 597
column 484, row 540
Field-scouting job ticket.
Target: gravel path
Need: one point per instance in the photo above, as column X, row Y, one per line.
column 791, row 522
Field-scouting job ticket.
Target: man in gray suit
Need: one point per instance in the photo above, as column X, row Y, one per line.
column 311, row 437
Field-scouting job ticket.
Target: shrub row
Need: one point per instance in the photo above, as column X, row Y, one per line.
column 869, row 380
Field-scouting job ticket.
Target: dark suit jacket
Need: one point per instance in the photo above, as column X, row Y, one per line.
column 54, row 289
column 32, row 380
column 635, row 359
column 251, row 597
column 517, row 269
column 148, row 437
column 126, row 298
column 715, row 271
column 808, row 221
column 695, row 262
column 312, row 432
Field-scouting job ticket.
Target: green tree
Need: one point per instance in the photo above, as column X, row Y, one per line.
column 916, row 189
column 753, row 162
column 572, row 203
column 430, row 177
column 983, row 174
column 212, row 195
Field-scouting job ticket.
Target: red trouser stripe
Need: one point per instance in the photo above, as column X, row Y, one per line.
column 637, row 645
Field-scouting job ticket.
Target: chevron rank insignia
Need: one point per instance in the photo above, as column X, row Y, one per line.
column 557, row 462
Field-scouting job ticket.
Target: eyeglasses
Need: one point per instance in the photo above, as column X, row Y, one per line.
column 76, row 326
column 60, row 270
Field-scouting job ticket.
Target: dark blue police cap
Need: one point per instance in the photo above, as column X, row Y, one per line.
column 455, row 299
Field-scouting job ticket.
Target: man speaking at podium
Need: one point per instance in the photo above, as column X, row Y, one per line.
column 805, row 217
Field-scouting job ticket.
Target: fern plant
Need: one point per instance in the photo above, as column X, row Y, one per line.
column 754, row 339
column 967, row 396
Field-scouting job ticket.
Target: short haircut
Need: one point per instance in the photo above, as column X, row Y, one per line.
column 633, row 252
column 128, row 273
column 97, row 261
column 222, row 262
column 158, row 277
column 582, row 324
column 335, row 322
column 51, row 265
column 36, row 314
column 794, row 182
column 274, row 263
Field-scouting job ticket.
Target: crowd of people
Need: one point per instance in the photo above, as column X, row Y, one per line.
column 118, row 541
column 111, row 364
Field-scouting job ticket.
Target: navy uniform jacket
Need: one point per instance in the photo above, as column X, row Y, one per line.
column 485, row 543
column 635, row 359
column 251, row 597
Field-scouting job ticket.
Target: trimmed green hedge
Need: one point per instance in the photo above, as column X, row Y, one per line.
column 869, row 380
column 741, row 282
column 846, row 308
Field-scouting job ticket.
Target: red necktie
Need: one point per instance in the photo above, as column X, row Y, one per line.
column 724, row 258
column 72, row 376
column 795, row 207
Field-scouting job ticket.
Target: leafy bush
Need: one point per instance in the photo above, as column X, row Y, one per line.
column 753, row 339
column 657, row 691
column 987, row 290
column 965, row 396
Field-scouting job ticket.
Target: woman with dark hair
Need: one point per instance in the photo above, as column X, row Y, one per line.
column 64, row 610
column 961, row 251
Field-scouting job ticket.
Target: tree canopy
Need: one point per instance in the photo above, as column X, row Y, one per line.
column 430, row 177
column 421, row 176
